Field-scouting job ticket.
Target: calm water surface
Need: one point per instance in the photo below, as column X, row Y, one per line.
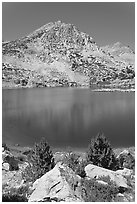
column 67, row 116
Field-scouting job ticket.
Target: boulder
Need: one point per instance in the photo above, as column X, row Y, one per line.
column 93, row 171
column 60, row 184
column 125, row 172
column 102, row 182
column 5, row 166
column 126, row 159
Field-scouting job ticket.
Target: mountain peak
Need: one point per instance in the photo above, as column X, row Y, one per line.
column 60, row 33
column 118, row 44
column 59, row 50
column 117, row 48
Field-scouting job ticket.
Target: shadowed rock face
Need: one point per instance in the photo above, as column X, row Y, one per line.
column 58, row 54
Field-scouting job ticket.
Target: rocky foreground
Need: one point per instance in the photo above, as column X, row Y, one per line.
column 59, row 55
column 61, row 183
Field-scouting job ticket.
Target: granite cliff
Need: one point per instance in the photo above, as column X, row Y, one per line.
column 58, row 54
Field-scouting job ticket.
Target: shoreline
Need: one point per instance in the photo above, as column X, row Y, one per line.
column 20, row 149
column 113, row 90
column 23, row 152
column 94, row 90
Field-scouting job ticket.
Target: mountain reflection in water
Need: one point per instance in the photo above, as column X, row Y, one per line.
column 67, row 116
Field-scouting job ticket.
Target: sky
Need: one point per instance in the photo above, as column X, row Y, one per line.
column 105, row 22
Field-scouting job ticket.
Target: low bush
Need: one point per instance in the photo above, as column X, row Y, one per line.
column 73, row 161
column 80, row 170
column 13, row 198
column 21, row 158
column 92, row 191
column 28, row 174
column 16, row 194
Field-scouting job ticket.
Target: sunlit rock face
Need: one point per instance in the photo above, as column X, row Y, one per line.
column 93, row 171
column 58, row 54
column 57, row 184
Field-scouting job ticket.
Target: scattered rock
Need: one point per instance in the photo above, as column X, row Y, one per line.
column 60, row 183
column 94, row 171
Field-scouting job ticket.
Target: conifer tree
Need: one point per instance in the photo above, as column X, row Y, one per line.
column 101, row 154
column 42, row 158
column 41, row 161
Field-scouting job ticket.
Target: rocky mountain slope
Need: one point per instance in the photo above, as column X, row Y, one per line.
column 58, row 54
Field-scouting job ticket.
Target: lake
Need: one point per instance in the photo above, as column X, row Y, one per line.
column 67, row 117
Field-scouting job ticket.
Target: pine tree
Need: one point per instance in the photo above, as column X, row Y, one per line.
column 41, row 161
column 101, row 154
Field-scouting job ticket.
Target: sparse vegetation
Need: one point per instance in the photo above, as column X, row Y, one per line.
column 92, row 191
